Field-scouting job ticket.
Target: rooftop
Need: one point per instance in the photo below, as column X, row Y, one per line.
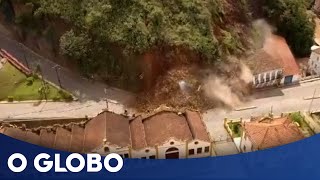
column 268, row 133
column 118, row 130
column 275, row 54
column 160, row 127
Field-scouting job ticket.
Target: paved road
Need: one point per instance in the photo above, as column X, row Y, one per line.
column 281, row 100
column 53, row 110
column 81, row 88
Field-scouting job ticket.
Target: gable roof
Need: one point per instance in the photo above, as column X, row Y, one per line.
column 277, row 47
column 158, row 128
column 275, row 54
column 268, row 133
column 110, row 126
column 141, row 132
column 261, row 61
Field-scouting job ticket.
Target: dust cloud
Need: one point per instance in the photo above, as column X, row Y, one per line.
column 231, row 91
column 262, row 31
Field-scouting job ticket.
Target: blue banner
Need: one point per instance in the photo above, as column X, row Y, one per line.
column 299, row 160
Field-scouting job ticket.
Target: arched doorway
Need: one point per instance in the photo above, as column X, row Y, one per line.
column 172, row 153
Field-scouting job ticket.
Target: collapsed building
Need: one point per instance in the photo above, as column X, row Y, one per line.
column 160, row 135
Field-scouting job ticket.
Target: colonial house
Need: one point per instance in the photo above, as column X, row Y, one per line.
column 314, row 61
column 274, row 64
column 268, row 132
column 167, row 135
column 161, row 135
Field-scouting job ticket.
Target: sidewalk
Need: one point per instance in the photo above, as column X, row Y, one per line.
column 57, row 110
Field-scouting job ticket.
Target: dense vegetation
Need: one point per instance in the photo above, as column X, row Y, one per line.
column 293, row 22
column 104, row 32
column 106, row 36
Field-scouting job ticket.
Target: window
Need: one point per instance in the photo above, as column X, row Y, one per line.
column 196, row 142
column 152, row 157
column 262, row 78
column 267, row 77
column 273, row 75
column 143, row 158
column 256, row 79
column 191, row 151
column 126, row 155
column 147, row 150
column 106, row 149
column 279, row 74
column 206, row 149
column 171, row 143
column 199, row 150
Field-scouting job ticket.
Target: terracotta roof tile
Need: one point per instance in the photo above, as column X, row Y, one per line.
column 138, row 135
column 15, row 133
column 275, row 54
column 164, row 125
column 113, row 127
column 264, row 134
column 77, row 139
column 32, row 138
column 277, row 47
column 261, row 61
column 47, row 138
column 197, row 127
column 62, row 139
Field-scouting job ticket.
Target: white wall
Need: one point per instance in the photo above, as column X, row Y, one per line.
column 145, row 152
column 245, row 145
column 113, row 149
column 257, row 79
column 177, row 144
column 195, row 144
column 314, row 63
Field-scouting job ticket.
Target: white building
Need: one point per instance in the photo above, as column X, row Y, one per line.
column 168, row 135
column 161, row 135
column 274, row 64
column 314, row 61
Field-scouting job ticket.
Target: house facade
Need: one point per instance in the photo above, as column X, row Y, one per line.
column 267, row 132
column 274, row 64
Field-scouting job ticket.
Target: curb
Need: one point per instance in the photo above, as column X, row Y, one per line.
column 31, row 102
column 245, row 108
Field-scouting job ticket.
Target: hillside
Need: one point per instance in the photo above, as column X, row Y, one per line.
column 152, row 45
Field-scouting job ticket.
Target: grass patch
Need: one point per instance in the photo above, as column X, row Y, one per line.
column 299, row 119
column 18, row 87
column 235, row 128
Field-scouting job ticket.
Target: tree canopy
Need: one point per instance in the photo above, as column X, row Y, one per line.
column 293, row 22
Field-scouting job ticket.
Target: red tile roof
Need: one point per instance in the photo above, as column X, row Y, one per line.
column 161, row 126
column 47, row 138
column 110, row 126
column 277, row 47
column 117, row 130
column 138, row 136
column 197, row 126
column 63, row 139
column 164, row 125
column 268, row 133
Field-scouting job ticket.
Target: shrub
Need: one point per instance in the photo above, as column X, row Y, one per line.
column 297, row 117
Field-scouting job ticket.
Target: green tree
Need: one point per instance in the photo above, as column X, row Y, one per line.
column 293, row 22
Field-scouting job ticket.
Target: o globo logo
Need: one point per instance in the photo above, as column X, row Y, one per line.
column 93, row 163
